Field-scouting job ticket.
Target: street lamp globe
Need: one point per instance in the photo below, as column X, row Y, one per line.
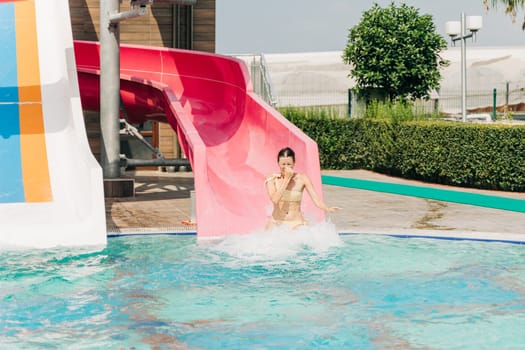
column 474, row 23
column 453, row 28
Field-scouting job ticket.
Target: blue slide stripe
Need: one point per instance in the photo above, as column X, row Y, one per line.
column 11, row 181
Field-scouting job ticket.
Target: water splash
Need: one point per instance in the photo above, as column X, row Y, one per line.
column 280, row 243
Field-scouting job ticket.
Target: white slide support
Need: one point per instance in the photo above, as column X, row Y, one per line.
column 74, row 215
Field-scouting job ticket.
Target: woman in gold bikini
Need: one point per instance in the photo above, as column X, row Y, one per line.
column 286, row 190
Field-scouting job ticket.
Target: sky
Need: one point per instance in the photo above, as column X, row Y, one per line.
column 287, row 26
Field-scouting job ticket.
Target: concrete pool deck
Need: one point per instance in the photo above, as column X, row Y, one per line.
column 162, row 203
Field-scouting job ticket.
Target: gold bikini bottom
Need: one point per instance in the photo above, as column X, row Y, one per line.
column 292, row 224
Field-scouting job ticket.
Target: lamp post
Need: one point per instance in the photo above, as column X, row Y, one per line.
column 457, row 31
column 110, row 19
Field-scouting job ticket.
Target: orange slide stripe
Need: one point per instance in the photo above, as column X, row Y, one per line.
column 35, row 168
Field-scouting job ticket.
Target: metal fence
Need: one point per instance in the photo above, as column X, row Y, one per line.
column 507, row 97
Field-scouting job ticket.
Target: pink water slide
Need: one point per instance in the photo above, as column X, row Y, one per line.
column 230, row 135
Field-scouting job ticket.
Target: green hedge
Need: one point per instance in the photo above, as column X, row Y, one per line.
column 484, row 156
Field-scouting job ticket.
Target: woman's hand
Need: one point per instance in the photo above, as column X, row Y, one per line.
column 288, row 173
column 332, row 209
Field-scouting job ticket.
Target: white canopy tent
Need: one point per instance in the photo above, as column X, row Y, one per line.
column 322, row 79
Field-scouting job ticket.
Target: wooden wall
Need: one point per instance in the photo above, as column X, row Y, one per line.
column 157, row 28
column 92, row 122
column 204, row 26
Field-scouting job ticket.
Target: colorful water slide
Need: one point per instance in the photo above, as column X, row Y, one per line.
column 51, row 189
column 229, row 134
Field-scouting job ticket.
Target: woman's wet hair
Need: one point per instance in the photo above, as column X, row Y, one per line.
column 286, row 152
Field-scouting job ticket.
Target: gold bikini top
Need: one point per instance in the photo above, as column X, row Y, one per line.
column 288, row 195
column 291, row 196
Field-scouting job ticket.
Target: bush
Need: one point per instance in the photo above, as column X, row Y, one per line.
column 460, row 154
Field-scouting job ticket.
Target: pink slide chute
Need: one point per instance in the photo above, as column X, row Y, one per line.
column 229, row 134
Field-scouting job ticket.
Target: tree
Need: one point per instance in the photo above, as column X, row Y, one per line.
column 395, row 50
column 511, row 7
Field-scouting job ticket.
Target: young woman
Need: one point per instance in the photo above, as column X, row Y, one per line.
column 286, row 190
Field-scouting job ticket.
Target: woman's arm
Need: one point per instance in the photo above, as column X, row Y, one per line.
column 315, row 198
column 275, row 193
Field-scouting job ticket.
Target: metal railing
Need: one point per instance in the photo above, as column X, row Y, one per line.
column 261, row 82
column 507, row 97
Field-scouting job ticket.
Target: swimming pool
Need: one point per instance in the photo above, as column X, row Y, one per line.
column 301, row 290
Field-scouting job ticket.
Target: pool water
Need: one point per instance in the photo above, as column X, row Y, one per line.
column 309, row 289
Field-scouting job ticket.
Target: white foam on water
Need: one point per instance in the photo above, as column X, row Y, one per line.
column 280, row 243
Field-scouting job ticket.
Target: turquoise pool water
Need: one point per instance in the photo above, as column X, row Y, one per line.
column 301, row 290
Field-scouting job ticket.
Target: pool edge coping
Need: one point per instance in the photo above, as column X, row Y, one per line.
column 505, row 237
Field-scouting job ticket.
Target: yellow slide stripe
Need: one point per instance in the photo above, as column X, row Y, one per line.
column 35, row 168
